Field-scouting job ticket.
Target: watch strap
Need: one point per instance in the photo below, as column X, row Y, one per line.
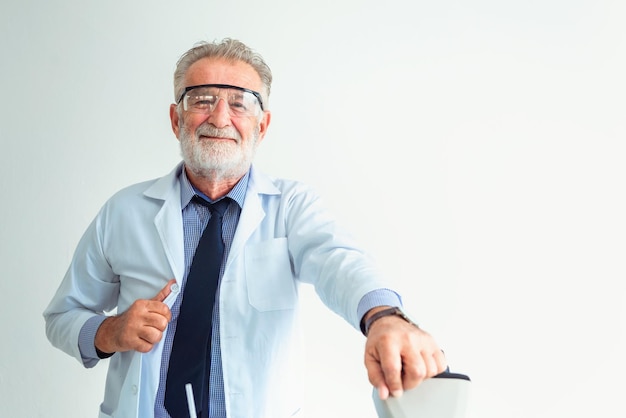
column 393, row 311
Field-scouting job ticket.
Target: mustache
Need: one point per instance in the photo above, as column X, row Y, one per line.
column 209, row 130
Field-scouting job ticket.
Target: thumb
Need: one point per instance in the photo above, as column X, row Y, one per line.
column 163, row 293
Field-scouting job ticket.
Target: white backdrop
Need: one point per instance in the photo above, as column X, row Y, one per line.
column 490, row 132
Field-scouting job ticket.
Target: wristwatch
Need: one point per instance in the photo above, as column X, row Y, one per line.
column 366, row 325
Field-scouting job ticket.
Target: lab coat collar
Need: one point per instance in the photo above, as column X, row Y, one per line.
column 164, row 186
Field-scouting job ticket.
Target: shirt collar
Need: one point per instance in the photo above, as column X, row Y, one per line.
column 188, row 191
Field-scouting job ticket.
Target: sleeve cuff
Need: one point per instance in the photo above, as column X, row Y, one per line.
column 375, row 298
column 87, row 338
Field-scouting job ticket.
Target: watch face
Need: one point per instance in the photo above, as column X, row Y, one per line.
column 403, row 316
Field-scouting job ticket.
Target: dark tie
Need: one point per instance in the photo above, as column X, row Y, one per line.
column 190, row 360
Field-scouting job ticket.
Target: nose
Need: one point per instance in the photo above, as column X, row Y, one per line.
column 220, row 116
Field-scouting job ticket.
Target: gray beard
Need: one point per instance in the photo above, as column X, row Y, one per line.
column 213, row 160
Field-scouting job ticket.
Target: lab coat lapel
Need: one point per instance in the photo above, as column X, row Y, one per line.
column 168, row 221
column 251, row 216
column 252, row 212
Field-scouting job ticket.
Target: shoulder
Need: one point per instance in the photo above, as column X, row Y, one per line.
column 144, row 195
column 281, row 187
column 133, row 191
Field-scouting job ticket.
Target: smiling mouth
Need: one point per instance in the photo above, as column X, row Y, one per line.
column 216, row 138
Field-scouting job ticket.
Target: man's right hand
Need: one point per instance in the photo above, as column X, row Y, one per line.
column 139, row 328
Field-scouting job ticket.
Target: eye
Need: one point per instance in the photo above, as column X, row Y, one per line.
column 202, row 102
column 238, row 103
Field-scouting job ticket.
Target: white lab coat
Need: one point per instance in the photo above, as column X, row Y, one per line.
column 284, row 237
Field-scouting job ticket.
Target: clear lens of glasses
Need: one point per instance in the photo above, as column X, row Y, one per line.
column 205, row 99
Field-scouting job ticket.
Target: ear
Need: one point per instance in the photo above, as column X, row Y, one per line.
column 264, row 123
column 174, row 119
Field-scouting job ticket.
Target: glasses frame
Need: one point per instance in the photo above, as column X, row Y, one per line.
column 223, row 86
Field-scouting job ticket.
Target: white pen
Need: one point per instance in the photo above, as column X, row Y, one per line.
column 191, row 403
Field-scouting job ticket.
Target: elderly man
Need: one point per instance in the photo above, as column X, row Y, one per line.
column 203, row 267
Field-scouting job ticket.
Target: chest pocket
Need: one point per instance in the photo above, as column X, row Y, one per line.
column 269, row 277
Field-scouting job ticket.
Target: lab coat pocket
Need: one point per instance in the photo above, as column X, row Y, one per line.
column 269, row 277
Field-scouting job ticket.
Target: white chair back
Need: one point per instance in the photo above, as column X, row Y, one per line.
column 443, row 396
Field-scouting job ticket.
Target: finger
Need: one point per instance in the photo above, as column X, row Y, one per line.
column 383, row 392
column 391, row 366
column 442, row 362
column 154, row 307
column 432, row 368
column 412, row 371
column 158, row 317
column 415, row 372
column 376, row 376
column 142, row 346
column 147, row 329
column 163, row 293
column 150, row 335
column 141, row 311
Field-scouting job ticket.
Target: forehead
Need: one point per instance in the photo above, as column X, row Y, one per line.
column 221, row 71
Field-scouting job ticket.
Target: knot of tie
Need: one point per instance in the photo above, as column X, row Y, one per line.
column 217, row 208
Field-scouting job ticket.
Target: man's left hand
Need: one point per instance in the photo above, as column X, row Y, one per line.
column 399, row 356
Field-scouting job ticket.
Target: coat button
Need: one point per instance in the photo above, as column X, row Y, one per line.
column 134, row 389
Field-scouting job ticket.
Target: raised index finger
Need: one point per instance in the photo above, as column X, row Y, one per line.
column 163, row 293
